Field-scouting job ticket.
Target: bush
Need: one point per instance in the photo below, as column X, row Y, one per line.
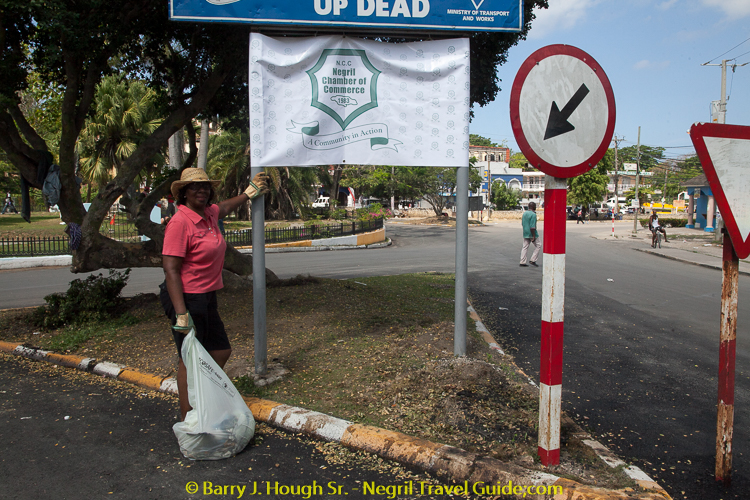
column 92, row 299
column 373, row 212
column 666, row 222
column 339, row 214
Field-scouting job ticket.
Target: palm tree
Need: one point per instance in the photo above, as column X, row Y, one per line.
column 291, row 189
column 228, row 161
column 125, row 114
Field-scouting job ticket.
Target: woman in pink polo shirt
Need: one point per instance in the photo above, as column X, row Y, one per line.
column 193, row 258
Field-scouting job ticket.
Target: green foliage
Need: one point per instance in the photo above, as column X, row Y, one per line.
column 125, row 114
column 518, row 160
column 338, row 214
column 490, row 50
column 92, row 299
column 644, row 194
column 666, row 222
column 478, row 140
column 650, row 156
column 381, row 181
column 587, row 188
column 503, row 197
column 434, row 184
column 373, row 212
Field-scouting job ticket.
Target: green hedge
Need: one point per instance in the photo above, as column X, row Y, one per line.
column 666, row 222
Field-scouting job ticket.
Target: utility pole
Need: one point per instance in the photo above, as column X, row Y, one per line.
column 637, row 177
column 721, row 114
column 489, row 191
column 617, row 140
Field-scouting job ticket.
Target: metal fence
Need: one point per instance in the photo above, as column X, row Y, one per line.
column 311, row 232
column 58, row 245
column 34, row 246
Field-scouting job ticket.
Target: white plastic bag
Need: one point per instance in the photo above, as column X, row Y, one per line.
column 220, row 424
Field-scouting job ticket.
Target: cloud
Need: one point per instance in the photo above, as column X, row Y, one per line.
column 561, row 15
column 645, row 64
column 666, row 5
column 732, row 8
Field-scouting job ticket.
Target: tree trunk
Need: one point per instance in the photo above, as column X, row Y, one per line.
column 203, row 152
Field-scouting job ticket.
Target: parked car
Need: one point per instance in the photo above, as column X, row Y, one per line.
column 322, row 202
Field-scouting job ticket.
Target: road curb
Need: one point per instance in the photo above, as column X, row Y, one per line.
column 672, row 257
column 609, row 458
column 446, row 462
column 10, row 263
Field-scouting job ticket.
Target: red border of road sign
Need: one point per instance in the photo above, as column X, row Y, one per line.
column 697, row 132
column 515, row 119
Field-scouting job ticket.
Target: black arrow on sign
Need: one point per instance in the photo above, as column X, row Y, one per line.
column 558, row 120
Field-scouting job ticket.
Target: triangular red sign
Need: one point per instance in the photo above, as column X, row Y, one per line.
column 724, row 152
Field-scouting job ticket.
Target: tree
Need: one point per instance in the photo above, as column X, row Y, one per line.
column 650, row 156
column 644, row 193
column 503, row 197
column 381, row 181
column 291, row 189
column 197, row 71
column 587, row 188
column 125, row 114
column 478, row 140
column 436, row 185
column 193, row 68
column 518, row 160
column 490, row 50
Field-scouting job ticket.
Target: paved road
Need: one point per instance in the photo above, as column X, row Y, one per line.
column 28, row 287
column 70, row 435
column 641, row 351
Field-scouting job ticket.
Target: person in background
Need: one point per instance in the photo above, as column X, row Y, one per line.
column 9, row 203
column 193, row 259
column 530, row 235
column 654, row 227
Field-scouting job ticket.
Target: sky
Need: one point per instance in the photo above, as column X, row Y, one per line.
column 652, row 52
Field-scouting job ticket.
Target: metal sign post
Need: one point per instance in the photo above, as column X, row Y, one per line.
column 553, row 301
column 259, row 280
column 723, row 151
column 563, row 114
column 727, row 349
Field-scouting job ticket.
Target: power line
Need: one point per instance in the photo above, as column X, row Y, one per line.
column 730, row 50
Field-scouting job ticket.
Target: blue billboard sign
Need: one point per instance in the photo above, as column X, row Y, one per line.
column 410, row 15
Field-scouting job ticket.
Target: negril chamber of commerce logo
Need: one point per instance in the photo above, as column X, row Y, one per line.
column 344, row 86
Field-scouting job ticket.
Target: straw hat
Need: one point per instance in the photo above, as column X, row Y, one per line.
column 190, row 175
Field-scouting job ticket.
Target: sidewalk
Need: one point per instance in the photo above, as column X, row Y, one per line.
column 692, row 246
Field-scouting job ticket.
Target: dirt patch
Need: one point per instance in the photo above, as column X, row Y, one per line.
column 376, row 350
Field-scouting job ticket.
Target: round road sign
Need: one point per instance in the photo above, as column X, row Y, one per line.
column 562, row 109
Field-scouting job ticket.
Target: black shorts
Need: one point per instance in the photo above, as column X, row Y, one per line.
column 203, row 308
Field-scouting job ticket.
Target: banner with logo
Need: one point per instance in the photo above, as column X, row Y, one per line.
column 340, row 100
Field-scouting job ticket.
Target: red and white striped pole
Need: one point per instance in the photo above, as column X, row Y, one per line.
column 553, row 301
column 613, row 222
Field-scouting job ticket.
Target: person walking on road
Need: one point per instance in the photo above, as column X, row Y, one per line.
column 193, row 258
column 530, row 235
column 579, row 216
